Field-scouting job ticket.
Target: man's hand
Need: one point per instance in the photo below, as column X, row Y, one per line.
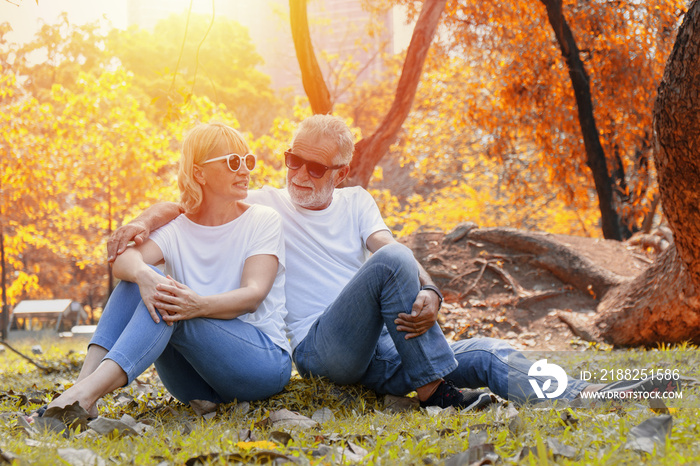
column 138, row 230
column 423, row 315
column 116, row 244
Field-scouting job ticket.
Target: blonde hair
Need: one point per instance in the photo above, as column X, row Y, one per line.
column 329, row 127
column 197, row 147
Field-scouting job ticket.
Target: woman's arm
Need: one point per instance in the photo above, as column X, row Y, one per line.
column 132, row 266
column 181, row 303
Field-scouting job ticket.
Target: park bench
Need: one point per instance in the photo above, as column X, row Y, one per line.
column 48, row 310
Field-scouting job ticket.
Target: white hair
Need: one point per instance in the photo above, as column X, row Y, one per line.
column 332, row 128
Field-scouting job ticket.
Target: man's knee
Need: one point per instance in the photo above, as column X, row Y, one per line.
column 397, row 257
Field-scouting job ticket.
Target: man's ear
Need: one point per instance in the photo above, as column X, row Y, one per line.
column 198, row 174
column 342, row 174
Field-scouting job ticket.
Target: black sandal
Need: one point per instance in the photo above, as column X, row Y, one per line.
column 40, row 412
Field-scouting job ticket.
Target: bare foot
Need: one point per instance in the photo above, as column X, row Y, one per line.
column 71, row 396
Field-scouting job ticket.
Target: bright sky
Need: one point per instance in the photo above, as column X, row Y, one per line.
column 25, row 16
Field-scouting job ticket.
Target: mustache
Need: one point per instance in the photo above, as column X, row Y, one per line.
column 303, row 184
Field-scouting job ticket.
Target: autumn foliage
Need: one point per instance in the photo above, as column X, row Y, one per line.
column 79, row 158
column 90, row 135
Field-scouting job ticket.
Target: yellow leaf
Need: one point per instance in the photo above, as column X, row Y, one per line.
column 259, row 444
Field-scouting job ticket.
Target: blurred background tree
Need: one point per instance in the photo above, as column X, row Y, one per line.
column 214, row 59
column 521, row 103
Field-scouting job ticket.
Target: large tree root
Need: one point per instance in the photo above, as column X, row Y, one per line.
column 659, row 305
column 523, row 296
column 579, row 325
column 560, row 260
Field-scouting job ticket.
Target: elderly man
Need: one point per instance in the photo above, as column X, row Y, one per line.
column 360, row 307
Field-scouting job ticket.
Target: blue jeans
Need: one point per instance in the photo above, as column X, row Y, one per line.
column 488, row 362
column 198, row 359
column 355, row 341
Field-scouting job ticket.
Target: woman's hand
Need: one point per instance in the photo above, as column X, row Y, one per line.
column 132, row 266
column 178, row 301
column 148, row 287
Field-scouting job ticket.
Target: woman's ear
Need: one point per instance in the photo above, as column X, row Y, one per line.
column 198, row 173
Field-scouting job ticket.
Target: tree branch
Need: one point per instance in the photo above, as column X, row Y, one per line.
column 43, row 368
column 369, row 151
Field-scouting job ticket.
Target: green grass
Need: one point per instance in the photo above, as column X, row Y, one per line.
column 360, row 427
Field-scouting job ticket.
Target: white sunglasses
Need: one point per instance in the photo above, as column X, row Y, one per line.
column 234, row 161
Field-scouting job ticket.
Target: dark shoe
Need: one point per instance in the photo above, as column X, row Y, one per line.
column 30, row 418
column 648, row 385
column 40, row 412
column 448, row 395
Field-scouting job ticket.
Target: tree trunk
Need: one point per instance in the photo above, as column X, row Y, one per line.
column 662, row 304
column 368, row 151
column 595, row 154
column 677, row 131
column 311, row 76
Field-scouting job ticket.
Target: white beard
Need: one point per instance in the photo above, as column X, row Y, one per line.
column 311, row 200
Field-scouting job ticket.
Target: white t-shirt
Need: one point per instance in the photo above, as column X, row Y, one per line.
column 210, row 259
column 325, row 248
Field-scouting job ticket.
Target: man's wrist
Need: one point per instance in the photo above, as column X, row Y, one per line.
column 435, row 290
column 143, row 225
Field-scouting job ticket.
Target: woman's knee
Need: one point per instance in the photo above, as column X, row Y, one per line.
column 258, row 384
column 158, row 271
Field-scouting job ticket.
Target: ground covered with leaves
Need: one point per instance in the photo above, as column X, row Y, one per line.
column 494, row 291
column 316, row 422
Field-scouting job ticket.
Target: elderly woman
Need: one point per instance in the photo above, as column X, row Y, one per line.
column 213, row 325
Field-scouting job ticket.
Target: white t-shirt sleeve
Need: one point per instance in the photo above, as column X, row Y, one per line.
column 370, row 218
column 267, row 237
column 165, row 239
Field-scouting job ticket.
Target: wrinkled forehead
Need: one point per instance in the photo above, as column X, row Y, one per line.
column 315, row 147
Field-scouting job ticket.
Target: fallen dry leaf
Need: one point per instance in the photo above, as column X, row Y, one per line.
column 400, row 404
column 203, row 407
column 479, row 454
column 74, row 416
column 283, row 438
column 478, row 437
column 286, row 418
column 257, row 444
column 323, row 415
column 111, row 428
column 7, row 457
column 82, row 457
column 650, row 435
column 561, row 449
